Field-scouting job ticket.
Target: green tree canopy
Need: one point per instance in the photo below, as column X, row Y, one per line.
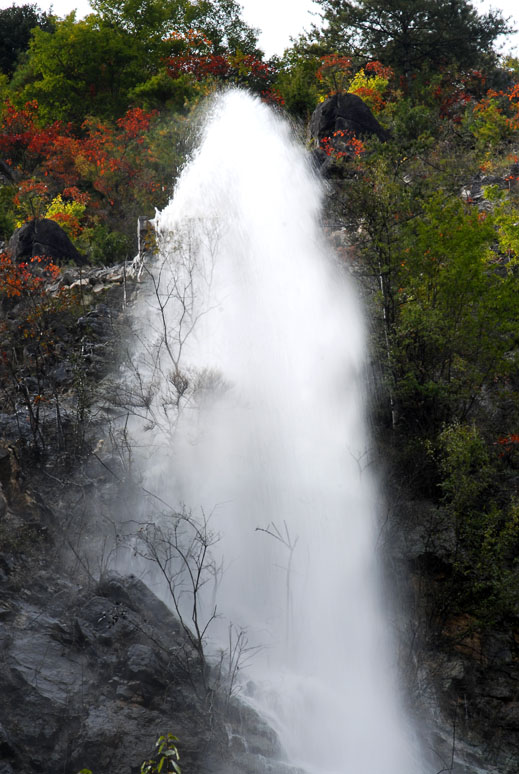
column 80, row 68
column 411, row 34
column 219, row 20
column 149, row 17
column 16, row 25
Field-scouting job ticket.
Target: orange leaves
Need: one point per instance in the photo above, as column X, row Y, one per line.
column 371, row 97
column 76, row 195
column 20, row 280
column 31, row 189
column 509, row 447
column 200, row 66
column 454, row 92
column 333, row 63
column 338, row 75
column 342, row 144
column 102, row 163
column 382, row 71
column 335, row 73
column 508, row 440
column 195, row 56
column 135, row 122
column 23, row 139
column 500, row 106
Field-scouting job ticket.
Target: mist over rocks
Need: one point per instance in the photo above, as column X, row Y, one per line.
column 96, row 670
column 90, row 677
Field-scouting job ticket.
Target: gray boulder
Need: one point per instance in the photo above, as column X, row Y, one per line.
column 43, row 237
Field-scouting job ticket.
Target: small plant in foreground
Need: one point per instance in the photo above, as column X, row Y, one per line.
column 166, row 757
column 165, row 760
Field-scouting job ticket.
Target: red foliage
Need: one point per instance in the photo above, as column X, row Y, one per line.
column 101, row 157
column 335, row 71
column 196, row 56
column 507, row 103
column 377, row 68
column 342, row 144
column 454, row 93
column 508, row 440
column 20, row 279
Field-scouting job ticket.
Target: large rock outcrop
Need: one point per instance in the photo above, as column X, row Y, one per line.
column 347, row 113
column 337, row 120
column 43, row 237
column 92, row 676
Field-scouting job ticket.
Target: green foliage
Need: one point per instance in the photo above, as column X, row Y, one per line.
column 297, row 85
column 16, row 25
column 413, row 122
column 165, row 760
column 443, row 275
column 410, row 35
column 7, row 218
column 220, row 21
column 105, row 245
column 465, row 467
column 166, row 757
column 486, row 569
column 151, row 18
column 80, row 68
column 161, row 91
column 156, row 20
column 456, row 325
column 489, row 125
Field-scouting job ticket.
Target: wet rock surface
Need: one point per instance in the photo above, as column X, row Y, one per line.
column 90, row 677
column 465, row 677
column 91, row 673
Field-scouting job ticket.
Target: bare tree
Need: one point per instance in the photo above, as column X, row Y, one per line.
column 290, row 544
column 180, row 547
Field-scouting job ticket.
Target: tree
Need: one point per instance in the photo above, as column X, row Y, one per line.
column 16, row 25
column 156, row 20
column 456, row 327
column 410, row 35
column 197, row 58
column 108, row 172
column 152, row 18
column 81, row 68
column 221, row 22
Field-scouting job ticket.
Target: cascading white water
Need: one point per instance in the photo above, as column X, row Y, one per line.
column 256, row 344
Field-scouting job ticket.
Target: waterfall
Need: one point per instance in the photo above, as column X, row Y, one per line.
column 252, row 344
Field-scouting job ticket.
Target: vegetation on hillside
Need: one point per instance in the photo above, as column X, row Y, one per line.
column 93, row 130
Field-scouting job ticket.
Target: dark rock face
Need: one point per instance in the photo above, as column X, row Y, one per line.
column 44, row 238
column 347, row 113
column 69, row 693
column 466, row 677
column 90, row 679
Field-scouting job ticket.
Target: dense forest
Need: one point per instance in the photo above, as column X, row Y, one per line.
column 97, row 120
